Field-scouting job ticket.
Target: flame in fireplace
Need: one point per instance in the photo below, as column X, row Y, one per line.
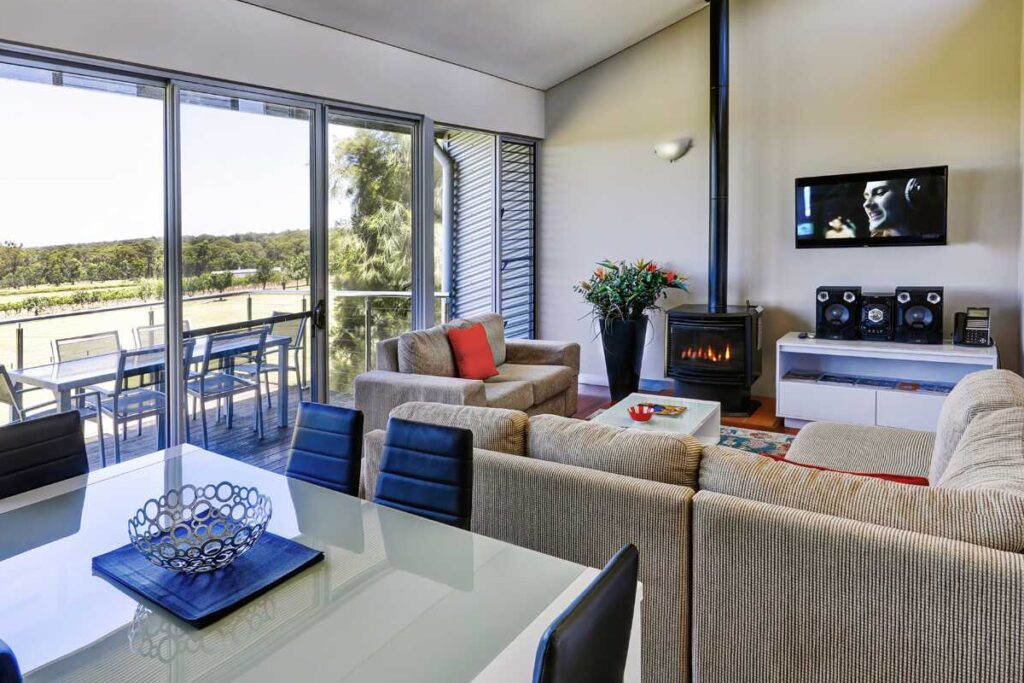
column 708, row 353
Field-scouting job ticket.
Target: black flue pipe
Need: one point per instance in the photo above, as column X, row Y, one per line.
column 718, row 253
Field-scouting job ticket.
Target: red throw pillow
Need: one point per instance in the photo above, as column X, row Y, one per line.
column 897, row 478
column 473, row 356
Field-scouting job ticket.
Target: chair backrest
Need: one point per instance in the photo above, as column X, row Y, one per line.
column 145, row 367
column 84, row 346
column 327, row 447
column 9, row 672
column 153, row 335
column 221, row 347
column 7, row 394
column 427, row 470
column 589, row 641
column 40, row 452
column 293, row 329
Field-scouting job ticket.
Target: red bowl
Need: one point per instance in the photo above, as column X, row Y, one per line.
column 641, row 413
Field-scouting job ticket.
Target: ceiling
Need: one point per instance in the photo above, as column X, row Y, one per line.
column 538, row 43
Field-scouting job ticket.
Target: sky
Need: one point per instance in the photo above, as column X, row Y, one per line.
column 87, row 166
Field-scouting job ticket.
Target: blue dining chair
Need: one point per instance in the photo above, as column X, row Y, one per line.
column 41, row 452
column 427, row 470
column 589, row 641
column 9, row 672
column 327, row 447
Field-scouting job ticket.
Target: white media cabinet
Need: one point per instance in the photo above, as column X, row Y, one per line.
column 802, row 402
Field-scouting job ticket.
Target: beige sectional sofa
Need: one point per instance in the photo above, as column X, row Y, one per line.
column 535, row 376
column 822, row 576
column 756, row 570
column 580, row 491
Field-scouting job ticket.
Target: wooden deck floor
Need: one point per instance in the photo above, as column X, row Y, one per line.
column 239, row 442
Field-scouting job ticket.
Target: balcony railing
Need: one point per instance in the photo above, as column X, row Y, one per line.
column 27, row 341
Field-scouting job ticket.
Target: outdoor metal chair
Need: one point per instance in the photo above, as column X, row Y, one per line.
column 295, row 330
column 87, row 407
column 216, row 379
column 87, row 346
column 139, row 389
column 153, row 335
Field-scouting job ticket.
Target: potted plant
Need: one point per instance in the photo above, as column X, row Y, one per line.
column 621, row 294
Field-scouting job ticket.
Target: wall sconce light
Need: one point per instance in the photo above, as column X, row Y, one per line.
column 673, row 150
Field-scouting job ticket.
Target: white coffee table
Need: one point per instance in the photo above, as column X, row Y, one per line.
column 702, row 419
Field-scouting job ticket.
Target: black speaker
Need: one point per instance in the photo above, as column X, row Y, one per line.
column 838, row 312
column 919, row 315
column 876, row 317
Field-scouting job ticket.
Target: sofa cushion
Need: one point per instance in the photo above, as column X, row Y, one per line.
column 547, row 380
column 494, row 325
column 990, row 454
column 473, row 357
column 493, row 429
column 510, row 395
column 426, row 352
column 991, row 518
column 654, row 456
column 974, row 395
column 863, row 448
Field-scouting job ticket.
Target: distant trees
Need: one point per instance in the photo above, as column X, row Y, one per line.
column 143, row 259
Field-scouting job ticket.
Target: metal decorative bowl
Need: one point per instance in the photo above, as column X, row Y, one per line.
column 200, row 529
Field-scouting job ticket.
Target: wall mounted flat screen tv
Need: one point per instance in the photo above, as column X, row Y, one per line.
column 885, row 208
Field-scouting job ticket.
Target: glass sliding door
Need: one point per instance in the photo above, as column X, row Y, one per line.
column 81, row 250
column 246, row 197
column 370, row 242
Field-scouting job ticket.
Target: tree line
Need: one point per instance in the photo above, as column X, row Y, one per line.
column 280, row 256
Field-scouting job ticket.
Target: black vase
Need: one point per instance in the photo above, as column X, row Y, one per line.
column 623, row 342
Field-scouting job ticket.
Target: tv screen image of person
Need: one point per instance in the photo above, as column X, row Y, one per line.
column 884, row 208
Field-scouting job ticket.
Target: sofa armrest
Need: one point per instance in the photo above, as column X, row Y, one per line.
column 585, row 516
column 809, row 597
column 864, row 448
column 985, row 517
column 540, row 352
column 378, row 391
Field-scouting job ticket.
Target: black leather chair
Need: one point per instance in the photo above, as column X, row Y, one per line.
column 427, row 470
column 9, row 672
column 327, row 447
column 590, row 639
column 40, row 452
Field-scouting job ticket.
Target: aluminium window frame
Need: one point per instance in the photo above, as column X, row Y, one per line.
column 172, row 83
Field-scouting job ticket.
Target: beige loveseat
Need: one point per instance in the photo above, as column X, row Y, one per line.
column 804, row 575
column 536, row 377
column 580, row 491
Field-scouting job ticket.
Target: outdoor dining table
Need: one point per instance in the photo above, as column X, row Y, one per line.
column 65, row 378
column 397, row 597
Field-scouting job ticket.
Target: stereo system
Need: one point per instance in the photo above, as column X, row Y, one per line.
column 913, row 315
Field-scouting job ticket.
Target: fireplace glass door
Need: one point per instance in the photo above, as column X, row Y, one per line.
column 708, row 349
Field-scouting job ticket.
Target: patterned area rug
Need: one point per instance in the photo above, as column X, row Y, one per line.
column 762, row 443
column 750, row 440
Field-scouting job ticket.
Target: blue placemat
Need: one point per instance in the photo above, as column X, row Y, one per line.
column 201, row 599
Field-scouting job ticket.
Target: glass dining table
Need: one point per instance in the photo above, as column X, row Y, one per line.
column 397, row 598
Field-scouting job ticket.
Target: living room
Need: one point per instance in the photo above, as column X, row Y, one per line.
column 492, row 342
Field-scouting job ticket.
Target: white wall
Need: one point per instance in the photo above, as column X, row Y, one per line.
column 239, row 42
column 818, row 87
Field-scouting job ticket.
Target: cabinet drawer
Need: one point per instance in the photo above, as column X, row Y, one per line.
column 908, row 410
column 832, row 402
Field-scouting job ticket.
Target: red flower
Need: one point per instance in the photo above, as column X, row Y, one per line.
column 651, row 267
column 599, row 273
column 670, row 277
